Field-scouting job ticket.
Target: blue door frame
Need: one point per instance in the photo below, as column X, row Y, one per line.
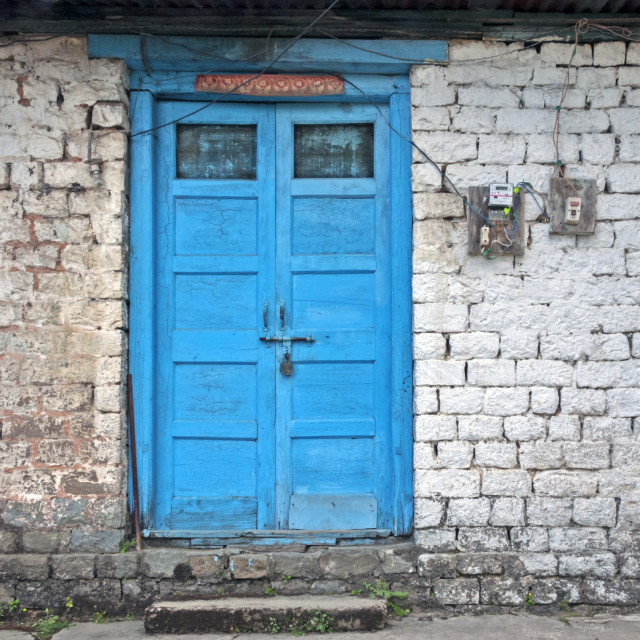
column 312, row 55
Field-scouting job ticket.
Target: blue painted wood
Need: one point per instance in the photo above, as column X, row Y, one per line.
column 179, row 53
column 142, row 324
column 312, row 260
column 401, row 358
column 215, row 385
column 337, row 222
column 199, row 538
column 332, row 512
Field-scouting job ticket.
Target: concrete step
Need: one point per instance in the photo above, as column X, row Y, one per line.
column 279, row 614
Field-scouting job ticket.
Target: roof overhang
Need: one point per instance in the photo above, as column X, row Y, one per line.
column 394, row 24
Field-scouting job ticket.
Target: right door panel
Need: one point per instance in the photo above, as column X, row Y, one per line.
column 333, row 278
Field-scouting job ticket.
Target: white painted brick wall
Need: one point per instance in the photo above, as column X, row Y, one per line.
column 550, row 397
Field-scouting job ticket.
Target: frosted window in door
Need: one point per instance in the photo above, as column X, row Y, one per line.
column 216, row 151
column 333, row 151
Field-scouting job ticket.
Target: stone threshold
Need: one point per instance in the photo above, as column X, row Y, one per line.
column 303, row 614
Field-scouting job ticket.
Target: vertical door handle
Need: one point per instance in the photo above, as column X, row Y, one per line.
column 265, row 316
column 282, row 316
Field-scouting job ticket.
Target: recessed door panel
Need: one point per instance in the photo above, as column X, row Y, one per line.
column 333, row 226
column 216, row 226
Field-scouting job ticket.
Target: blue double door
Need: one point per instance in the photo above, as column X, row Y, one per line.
column 272, row 393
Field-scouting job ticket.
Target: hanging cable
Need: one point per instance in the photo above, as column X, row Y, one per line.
column 242, row 84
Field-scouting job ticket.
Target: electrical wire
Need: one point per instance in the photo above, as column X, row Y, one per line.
column 580, row 27
column 28, row 41
column 428, row 61
column 242, row 84
column 421, row 151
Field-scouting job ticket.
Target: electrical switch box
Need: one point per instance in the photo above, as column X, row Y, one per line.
column 498, row 230
column 573, row 206
column 500, row 195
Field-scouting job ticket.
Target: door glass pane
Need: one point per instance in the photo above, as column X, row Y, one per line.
column 333, row 151
column 216, row 151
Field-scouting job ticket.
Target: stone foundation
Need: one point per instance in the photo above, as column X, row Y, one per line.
column 126, row 583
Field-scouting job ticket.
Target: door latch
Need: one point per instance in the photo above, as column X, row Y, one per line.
column 269, row 339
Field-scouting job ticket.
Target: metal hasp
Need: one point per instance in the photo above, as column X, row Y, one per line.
column 308, row 339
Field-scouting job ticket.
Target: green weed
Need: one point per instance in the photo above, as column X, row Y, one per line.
column 100, row 617
column 381, row 590
column 274, row 627
column 320, row 623
column 528, row 600
column 45, row 627
column 564, row 605
column 270, row 591
column 130, row 617
column 125, row 546
column 286, row 578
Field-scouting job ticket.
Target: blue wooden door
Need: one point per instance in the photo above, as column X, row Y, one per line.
column 273, row 225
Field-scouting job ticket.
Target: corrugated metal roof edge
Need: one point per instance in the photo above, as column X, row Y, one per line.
column 346, row 24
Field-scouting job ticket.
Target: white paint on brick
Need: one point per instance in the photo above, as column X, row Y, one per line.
column 605, row 98
column 499, row 482
column 609, row 54
column 507, row 512
column 461, row 400
column 500, row 455
column 479, row 427
column 435, row 428
column 597, row 148
column 544, row 400
column 425, row 400
column 595, row 78
column 480, row 96
column 474, row 345
column 540, row 148
column 445, row 147
column 506, row 402
column 561, row 54
column 623, row 178
column 447, row 483
column 521, row 428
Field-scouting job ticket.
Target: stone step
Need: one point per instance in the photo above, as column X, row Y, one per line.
column 277, row 614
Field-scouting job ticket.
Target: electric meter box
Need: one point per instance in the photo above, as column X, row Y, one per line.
column 500, row 195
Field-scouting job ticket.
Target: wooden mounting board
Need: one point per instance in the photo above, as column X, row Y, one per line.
column 479, row 199
column 562, row 188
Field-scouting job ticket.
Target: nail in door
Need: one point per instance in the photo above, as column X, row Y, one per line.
column 273, row 247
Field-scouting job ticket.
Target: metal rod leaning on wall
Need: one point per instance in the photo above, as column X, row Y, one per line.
column 134, row 463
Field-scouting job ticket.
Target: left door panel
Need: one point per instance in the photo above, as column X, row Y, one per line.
column 214, row 394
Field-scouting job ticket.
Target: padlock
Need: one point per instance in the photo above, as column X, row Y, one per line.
column 286, row 366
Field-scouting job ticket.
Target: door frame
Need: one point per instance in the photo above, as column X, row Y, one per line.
column 311, row 55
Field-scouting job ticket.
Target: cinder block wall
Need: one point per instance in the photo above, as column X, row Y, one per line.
column 63, row 285
column 527, row 450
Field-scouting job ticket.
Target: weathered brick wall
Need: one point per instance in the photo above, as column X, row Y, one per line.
column 527, row 380
column 63, row 286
